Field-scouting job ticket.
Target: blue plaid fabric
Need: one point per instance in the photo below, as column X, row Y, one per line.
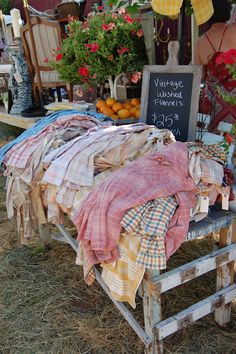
column 43, row 123
column 150, row 222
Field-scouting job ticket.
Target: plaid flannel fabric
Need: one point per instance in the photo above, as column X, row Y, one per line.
column 150, row 222
column 203, row 10
column 41, row 124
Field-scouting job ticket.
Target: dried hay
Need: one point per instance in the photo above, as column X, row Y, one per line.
column 45, row 306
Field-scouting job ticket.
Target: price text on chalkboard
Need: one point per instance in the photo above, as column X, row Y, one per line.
column 170, row 99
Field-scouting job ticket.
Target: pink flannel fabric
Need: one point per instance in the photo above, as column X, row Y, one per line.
column 98, row 220
column 19, row 155
column 74, row 162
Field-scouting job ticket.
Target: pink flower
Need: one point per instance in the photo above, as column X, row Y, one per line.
column 100, row 8
column 85, row 24
column 57, row 49
column 92, row 46
column 83, row 71
column 94, row 76
column 111, row 25
column 105, row 27
column 121, row 11
column 45, row 60
column 59, row 56
column 128, row 19
column 132, row 32
column 114, row 16
column 122, row 50
column 71, row 18
column 136, row 76
column 140, row 33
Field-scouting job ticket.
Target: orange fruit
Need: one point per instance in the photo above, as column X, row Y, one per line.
column 117, row 106
column 123, row 113
column 128, row 100
column 127, row 105
column 100, row 103
column 137, row 114
column 132, row 111
column 110, row 101
column 108, row 112
column 114, row 116
column 103, row 107
column 135, row 101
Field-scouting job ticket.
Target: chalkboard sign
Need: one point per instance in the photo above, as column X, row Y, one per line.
column 169, row 99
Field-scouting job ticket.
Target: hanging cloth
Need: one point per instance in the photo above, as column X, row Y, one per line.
column 203, row 10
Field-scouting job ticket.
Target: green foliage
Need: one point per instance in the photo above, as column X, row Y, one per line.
column 5, row 6
column 106, row 45
column 229, row 138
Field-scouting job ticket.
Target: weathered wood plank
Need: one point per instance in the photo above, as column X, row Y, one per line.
column 145, row 338
column 225, row 275
column 59, row 237
column 194, row 269
column 74, row 243
column 194, row 312
column 216, row 220
column 152, row 312
column 18, row 121
column 121, row 307
column 45, row 233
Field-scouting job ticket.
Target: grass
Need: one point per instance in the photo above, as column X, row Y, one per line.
column 45, row 306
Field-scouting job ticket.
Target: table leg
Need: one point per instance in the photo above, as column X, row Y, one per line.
column 152, row 311
column 45, row 234
column 225, row 275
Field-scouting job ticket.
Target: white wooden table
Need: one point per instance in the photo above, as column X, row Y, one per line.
column 154, row 283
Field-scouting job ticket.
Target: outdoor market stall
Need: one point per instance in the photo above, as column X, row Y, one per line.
column 111, row 157
column 134, row 194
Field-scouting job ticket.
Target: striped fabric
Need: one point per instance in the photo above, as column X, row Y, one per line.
column 43, row 122
column 124, row 276
column 150, row 222
column 203, row 9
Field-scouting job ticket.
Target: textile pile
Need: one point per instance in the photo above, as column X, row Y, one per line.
column 131, row 191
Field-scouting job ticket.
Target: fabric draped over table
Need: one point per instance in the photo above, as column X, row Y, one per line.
column 130, row 191
column 98, row 220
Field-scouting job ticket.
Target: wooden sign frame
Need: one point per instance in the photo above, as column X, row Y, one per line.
column 196, row 70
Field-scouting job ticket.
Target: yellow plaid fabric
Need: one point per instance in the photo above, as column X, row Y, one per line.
column 203, row 9
column 124, row 276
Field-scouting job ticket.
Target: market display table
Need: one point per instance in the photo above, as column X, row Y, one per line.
column 154, row 283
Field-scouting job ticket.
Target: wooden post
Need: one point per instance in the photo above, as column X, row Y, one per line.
column 45, row 234
column 225, row 275
column 152, row 311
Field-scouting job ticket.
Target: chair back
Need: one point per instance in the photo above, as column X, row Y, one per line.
column 47, row 36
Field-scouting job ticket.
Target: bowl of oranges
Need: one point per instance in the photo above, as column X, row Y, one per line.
column 119, row 110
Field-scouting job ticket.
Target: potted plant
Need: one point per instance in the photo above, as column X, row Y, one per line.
column 107, row 45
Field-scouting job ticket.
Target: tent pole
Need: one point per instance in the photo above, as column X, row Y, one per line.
column 35, row 58
column 181, row 28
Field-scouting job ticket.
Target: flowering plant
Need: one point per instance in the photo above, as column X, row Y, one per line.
column 227, row 60
column 229, row 138
column 102, row 48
